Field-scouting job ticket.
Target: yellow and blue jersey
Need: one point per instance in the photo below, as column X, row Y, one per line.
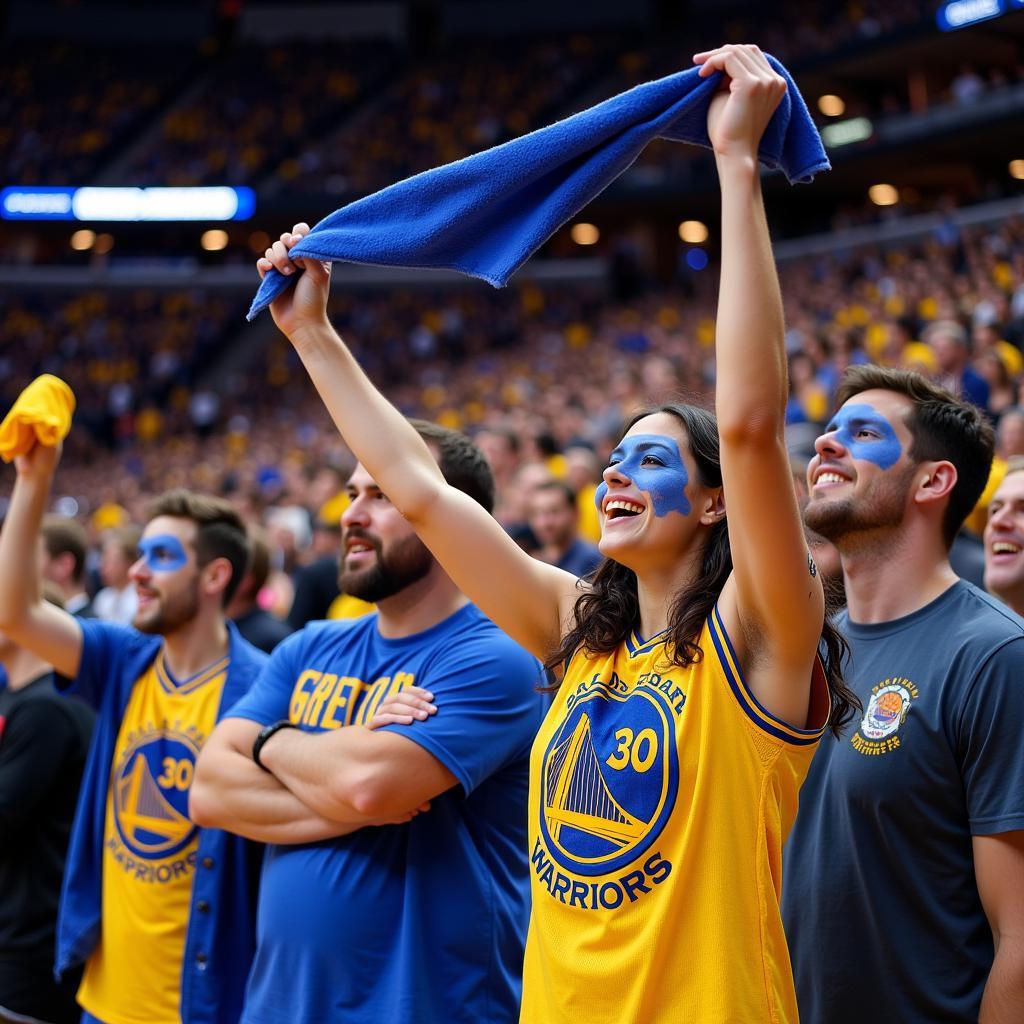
column 660, row 798
column 149, row 848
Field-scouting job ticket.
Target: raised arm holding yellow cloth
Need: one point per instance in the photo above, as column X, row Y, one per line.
column 41, row 413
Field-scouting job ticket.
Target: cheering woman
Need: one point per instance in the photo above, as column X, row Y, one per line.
column 692, row 695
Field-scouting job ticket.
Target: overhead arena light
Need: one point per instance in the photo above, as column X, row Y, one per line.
column 214, row 240
column 693, row 231
column 842, row 133
column 883, row 195
column 585, row 234
column 961, row 13
column 831, row 105
column 218, row 202
column 83, row 240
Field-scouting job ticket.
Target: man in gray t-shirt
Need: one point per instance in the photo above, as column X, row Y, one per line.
column 903, row 871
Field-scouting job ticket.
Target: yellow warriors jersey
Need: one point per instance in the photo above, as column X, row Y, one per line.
column 660, row 798
column 149, row 849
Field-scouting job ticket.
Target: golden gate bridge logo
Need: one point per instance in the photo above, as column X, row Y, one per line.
column 147, row 819
column 578, row 796
column 600, row 809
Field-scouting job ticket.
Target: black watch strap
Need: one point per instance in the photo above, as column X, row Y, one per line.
column 264, row 734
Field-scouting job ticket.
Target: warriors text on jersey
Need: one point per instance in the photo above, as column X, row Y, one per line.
column 660, row 798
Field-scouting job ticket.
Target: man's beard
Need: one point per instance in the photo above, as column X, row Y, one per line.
column 408, row 561
column 882, row 508
column 169, row 614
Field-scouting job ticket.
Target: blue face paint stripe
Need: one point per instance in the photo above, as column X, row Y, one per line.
column 163, row 553
column 664, row 484
column 883, row 451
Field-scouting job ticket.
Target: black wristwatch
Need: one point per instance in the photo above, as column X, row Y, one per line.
column 264, row 734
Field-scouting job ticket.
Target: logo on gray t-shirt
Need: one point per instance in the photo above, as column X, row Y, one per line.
column 885, row 713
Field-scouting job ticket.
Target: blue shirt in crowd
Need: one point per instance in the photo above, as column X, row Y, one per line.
column 422, row 922
column 879, row 898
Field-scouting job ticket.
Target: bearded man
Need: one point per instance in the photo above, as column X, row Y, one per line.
column 396, row 887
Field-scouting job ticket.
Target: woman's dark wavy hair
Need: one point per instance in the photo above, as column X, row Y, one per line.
column 605, row 614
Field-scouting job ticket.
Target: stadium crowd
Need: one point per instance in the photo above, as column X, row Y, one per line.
column 468, row 99
column 474, row 359
column 247, row 117
column 335, row 619
column 256, row 123
column 61, row 117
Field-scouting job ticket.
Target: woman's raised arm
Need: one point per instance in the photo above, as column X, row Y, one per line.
column 527, row 598
column 775, row 598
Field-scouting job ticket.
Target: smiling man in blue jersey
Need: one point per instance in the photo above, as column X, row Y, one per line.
column 422, row 919
column 160, row 911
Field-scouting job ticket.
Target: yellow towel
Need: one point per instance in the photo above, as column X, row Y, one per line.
column 41, row 413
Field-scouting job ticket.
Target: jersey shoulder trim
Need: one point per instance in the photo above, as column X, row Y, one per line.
column 754, row 710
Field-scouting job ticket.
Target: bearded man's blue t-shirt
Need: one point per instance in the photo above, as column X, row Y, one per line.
column 422, row 922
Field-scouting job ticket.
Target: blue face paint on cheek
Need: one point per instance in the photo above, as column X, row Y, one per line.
column 654, row 464
column 163, row 553
column 866, row 434
column 602, row 490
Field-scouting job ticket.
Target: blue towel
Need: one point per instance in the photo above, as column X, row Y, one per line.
column 487, row 214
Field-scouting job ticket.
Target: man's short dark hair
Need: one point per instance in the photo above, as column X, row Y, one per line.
column 462, row 463
column 64, row 536
column 220, row 531
column 561, row 487
column 943, row 427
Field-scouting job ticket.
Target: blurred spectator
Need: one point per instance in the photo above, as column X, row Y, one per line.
column 316, row 589
column 259, row 627
column 808, row 400
column 117, row 601
column 501, row 449
column 44, row 740
column 1004, row 539
column 316, row 584
column 552, row 517
column 1001, row 392
column 949, row 341
column 583, row 473
column 528, row 477
column 63, row 550
column 289, row 533
column 1010, row 433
